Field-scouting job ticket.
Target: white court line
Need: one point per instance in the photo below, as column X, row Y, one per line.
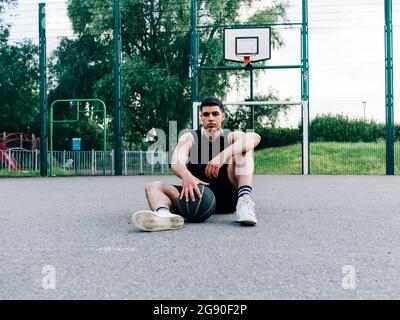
column 113, row 249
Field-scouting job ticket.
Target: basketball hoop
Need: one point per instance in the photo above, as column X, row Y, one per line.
column 247, row 45
column 245, row 58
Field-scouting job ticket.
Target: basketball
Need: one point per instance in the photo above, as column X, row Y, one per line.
column 198, row 210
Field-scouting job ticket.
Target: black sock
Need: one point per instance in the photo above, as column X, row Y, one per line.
column 243, row 190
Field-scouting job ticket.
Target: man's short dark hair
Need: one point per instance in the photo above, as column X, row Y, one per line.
column 212, row 101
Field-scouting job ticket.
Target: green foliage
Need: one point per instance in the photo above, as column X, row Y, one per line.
column 277, row 137
column 273, row 14
column 279, row 160
column 156, row 58
column 340, row 128
column 4, row 28
column 238, row 117
column 5, row 3
column 359, row 158
column 349, row 157
column 4, row 34
column 15, row 173
column 18, row 81
column 87, row 129
column 215, row 13
column 336, row 128
column 76, row 66
column 328, row 127
column 19, row 87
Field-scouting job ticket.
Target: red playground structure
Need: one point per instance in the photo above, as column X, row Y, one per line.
column 15, row 141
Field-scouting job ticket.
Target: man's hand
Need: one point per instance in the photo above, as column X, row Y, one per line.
column 189, row 183
column 212, row 169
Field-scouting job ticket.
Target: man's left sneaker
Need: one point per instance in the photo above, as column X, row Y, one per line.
column 245, row 213
column 151, row 221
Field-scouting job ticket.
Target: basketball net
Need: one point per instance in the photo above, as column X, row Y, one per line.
column 246, row 58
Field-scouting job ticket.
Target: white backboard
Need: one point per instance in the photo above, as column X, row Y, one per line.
column 253, row 42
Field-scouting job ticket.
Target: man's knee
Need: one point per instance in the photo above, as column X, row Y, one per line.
column 154, row 185
column 244, row 163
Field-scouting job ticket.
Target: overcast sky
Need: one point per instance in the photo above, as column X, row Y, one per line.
column 346, row 43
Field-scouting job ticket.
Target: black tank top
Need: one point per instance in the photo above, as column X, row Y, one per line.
column 203, row 151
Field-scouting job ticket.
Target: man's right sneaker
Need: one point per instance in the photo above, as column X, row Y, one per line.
column 151, row 221
column 245, row 213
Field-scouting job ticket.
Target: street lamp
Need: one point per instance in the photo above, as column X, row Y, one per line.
column 364, row 104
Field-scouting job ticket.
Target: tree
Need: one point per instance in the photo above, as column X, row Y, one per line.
column 238, row 118
column 19, row 87
column 18, row 82
column 4, row 28
column 75, row 68
column 156, row 56
column 215, row 13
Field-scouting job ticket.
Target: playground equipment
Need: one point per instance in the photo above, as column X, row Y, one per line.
column 7, row 158
column 15, row 141
column 81, row 107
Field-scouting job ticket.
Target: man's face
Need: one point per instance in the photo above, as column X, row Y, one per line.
column 212, row 117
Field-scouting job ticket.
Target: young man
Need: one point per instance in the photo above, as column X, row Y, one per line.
column 219, row 159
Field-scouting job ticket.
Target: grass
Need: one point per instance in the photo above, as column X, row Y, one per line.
column 348, row 158
column 279, row 160
column 360, row 158
column 13, row 173
column 16, row 173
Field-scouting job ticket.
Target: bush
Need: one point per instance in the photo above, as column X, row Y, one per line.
column 277, row 137
column 342, row 129
column 328, row 127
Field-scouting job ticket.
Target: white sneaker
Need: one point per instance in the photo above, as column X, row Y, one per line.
column 245, row 213
column 151, row 221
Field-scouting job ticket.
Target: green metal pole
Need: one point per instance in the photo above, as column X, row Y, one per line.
column 43, row 90
column 305, row 64
column 117, row 88
column 195, row 54
column 389, row 88
column 51, row 139
column 104, row 137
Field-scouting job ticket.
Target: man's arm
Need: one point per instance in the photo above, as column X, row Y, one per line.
column 241, row 143
column 178, row 166
column 180, row 156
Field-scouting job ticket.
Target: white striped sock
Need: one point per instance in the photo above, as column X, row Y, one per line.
column 245, row 190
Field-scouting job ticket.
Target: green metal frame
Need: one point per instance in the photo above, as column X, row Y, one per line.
column 78, row 112
column 117, row 88
column 304, row 66
column 195, row 53
column 389, row 88
column 305, row 77
column 43, row 89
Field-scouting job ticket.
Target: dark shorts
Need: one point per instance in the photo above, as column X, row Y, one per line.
column 225, row 194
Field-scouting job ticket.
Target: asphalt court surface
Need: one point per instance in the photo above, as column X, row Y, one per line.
column 318, row 237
